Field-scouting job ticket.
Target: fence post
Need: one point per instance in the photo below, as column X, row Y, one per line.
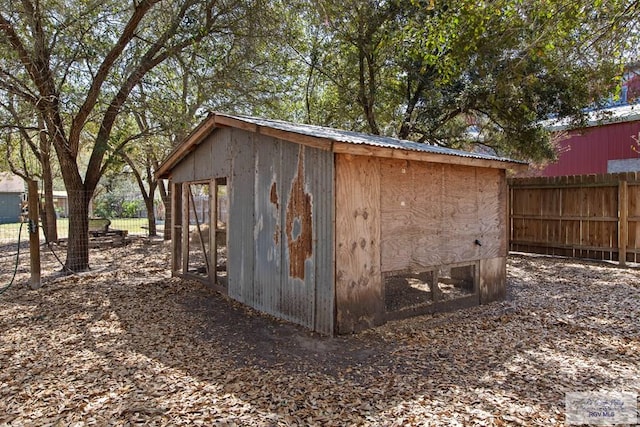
column 623, row 223
column 34, row 234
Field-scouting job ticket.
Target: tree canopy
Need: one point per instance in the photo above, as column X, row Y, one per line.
column 464, row 73
column 82, row 82
column 76, row 64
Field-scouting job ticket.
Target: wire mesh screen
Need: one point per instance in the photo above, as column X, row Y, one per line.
column 13, row 236
column 108, row 240
column 199, row 204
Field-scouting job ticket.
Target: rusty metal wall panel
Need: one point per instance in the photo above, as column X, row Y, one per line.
column 293, row 233
column 267, row 228
column 240, row 230
column 319, row 171
column 297, row 295
column 280, row 250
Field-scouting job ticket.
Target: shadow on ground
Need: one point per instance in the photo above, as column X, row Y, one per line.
column 126, row 346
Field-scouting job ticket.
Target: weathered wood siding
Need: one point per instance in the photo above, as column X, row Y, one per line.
column 432, row 214
column 582, row 216
column 359, row 291
column 280, row 229
column 400, row 215
column 493, row 276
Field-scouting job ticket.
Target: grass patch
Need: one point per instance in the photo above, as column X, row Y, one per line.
column 133, row 225
column 137, row 226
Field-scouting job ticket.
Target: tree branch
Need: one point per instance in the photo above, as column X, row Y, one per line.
column 154, row 56
column 16, row 44
column 23, row 130
column 17, row 88
column 103, row 71
column 118, row 149
column 136, row 174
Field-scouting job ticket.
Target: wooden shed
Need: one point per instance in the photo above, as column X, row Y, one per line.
column 335, row 230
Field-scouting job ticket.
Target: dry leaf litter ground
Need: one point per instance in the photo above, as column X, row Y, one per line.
column 125, row 344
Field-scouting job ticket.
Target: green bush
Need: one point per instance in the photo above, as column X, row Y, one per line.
column 107, row 206
column 110, row 206
column 131, row 208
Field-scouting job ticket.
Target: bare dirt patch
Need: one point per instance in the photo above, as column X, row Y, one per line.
column 126, row 344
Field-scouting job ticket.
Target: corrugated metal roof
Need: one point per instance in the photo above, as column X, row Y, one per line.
column 606, row 116
column 358, row 138
column 324, row 137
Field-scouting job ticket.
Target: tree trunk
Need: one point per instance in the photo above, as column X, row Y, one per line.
column 49, row 212
column 150, row 199
column 151, row 216
column 367, row 89
column 149, row 203
column 78, row 241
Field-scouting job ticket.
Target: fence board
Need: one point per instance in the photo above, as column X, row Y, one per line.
column 589, row 216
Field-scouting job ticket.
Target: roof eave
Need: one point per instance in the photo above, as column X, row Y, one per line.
column 366, row 150
column 217, row 120
column 189, row 144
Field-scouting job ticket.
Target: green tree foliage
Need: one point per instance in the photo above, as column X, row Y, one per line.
column 77, row 63
column 240, row 74
column 464, row 73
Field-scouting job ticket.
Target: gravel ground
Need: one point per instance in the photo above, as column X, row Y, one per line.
column 125, row 344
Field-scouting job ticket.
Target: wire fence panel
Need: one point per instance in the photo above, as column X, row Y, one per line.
column 108, row 241
column 115, row 220
column 14, row 245
column 15, row 257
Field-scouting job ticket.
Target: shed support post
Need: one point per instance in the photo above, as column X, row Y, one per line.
column 186, row 190
column 213, row 229
column 623, row 223
column 34, row 234
column 176, row 226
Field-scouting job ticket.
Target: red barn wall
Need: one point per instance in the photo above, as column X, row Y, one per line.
column 587, row 151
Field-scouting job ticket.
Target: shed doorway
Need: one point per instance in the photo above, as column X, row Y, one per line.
column 205, row 216
column 198, row 201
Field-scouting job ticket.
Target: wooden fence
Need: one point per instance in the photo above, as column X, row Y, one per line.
column 587, row 216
